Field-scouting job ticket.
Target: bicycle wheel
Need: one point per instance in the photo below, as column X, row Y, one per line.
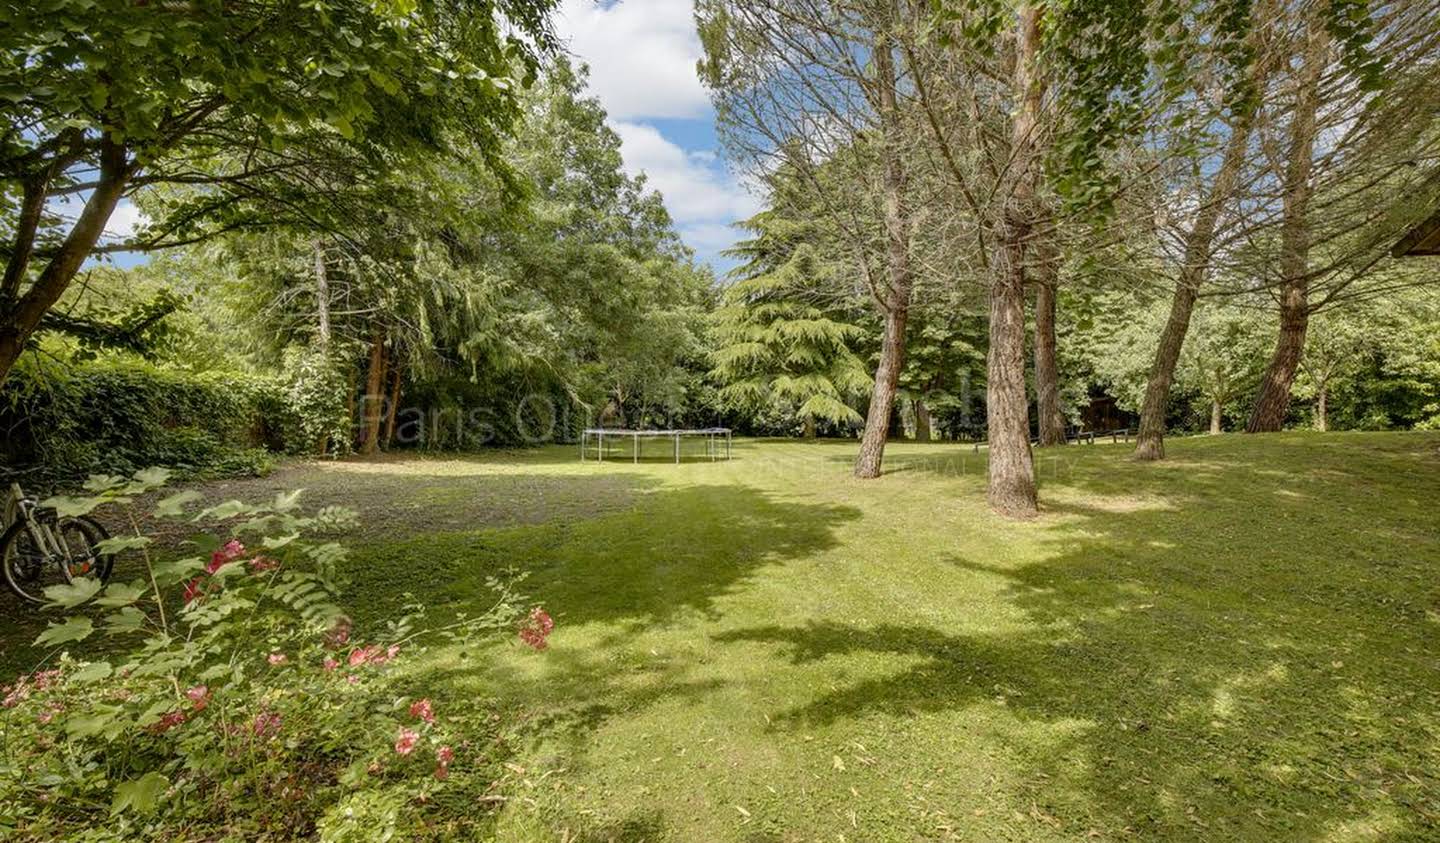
column 28, row 569
column 81, row 534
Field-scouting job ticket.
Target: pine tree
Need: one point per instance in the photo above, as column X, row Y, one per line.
column 779, row 335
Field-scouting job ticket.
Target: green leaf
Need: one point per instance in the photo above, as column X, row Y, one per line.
column 121, row 594
column 66, row 505
column 153, row 477
column 93, row 672
column 275, row 542
column 343, row 126
column 169, row 573
column 74, row 593
column 98, row 720
column 118, row 544
column 141, row 794
column 221, row 512
column 103, row 483
column 128, row 619
column 175, row 504
column 286, row 501
column 73, row 629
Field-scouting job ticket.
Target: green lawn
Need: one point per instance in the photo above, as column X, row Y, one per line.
column 1240, row 643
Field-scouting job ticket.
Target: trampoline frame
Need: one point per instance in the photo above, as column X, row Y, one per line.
column 714, row 436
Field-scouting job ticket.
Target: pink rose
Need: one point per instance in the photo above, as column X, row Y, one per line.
column 168, row 721
column 536, row 629
column 199, row 695
column 443, row 756
column 339, row 634
column 16, row 694
column 228, row 552
column 405, row 744
column 422, row 710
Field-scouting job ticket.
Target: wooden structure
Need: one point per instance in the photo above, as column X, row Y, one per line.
column 717, row 440
column 1423, row 239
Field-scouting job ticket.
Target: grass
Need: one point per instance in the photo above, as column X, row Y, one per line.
column 1240, row 643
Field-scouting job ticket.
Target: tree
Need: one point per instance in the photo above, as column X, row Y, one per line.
column 814, row 87
column 1336, row 343
column 1050, row 417
column 1223, row 361
column 226, row 106
column 945, row 359
column 456, row 294
column 1213, row 182
column 1025, row 107
column 1357, row 112
column 777, row 337
column 1273, row 401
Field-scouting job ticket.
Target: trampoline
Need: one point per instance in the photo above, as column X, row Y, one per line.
column 717, row 440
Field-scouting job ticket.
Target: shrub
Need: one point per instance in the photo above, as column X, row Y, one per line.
column 245, row 705
column 115, row 417
column 313, row 404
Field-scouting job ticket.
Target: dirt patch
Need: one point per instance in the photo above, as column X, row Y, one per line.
column 398, row 498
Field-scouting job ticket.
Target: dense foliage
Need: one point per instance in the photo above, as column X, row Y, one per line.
column 233, row 117
column 116, row 417
column 233, row 697
column 404, row 224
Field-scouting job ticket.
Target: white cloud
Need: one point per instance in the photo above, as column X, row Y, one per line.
column 641, row 53
column 642, row 56
column 695, row 189
column 709, row 239
column 125, row 220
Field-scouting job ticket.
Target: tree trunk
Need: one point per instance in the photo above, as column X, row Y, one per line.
column 895, row 299
column 1150, row 439
column 19, row 321
column 882, row 397
column 922, row 421
column 1011, row 486
column 1011, row 482
column 809, row 428
column 32, row 207
column 374, row 394
column 392, row 405
column 1047, row 372
column 1322, row 422
column 350, row 379
column 1272, row 404
column 1215, row 409
column 322, row 297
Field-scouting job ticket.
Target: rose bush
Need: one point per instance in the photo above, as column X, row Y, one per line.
column 226, row 695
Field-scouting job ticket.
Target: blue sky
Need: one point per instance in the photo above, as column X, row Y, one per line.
column 642, row 56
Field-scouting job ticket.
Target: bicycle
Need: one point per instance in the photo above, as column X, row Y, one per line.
column 40, row 548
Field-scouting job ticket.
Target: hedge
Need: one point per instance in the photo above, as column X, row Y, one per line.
column 115, row 417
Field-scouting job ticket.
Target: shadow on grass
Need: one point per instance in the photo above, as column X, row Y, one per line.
column 677, row 553
column 673, row 550
column 1231, row 666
